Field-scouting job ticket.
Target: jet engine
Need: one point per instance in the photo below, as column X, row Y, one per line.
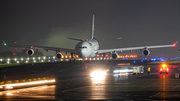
column 58, row 55
column 30, row 52
column 146, row 52
column 114, row 55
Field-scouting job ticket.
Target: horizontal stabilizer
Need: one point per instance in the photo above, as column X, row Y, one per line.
column 75, row 39
column 109, row 39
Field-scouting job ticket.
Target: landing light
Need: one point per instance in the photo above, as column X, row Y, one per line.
column 98, row 74
column 163, row 65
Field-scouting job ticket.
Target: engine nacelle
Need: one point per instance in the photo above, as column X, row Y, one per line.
column 114, row 55
column 58, row 55
column 146, row 52
column 30, row 52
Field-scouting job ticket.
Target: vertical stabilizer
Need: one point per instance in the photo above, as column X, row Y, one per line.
column 92, row 28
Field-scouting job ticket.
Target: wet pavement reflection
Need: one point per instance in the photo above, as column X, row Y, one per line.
column 97, row 89
column 79, row 84
column 42, row 92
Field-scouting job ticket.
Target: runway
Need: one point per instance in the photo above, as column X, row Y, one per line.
column 74, row 83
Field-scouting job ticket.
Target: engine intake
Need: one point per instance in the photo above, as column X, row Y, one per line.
column 114, row 55
column 146, row 52
column 58, row 55
column 30, row 52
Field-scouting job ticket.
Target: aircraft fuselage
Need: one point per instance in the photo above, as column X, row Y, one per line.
column 87, row 48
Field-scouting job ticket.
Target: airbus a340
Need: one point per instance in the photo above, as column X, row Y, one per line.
column 88, row 48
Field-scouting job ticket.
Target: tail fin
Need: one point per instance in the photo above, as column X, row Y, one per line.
column 92, row 37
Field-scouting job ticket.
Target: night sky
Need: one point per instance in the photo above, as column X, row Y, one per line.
column 50, row 22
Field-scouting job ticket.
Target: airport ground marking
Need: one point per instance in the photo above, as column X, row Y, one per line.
column 154, row 95
column 75, row 88
column 174, row 88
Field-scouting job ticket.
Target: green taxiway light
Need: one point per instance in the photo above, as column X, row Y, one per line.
column 4, row 44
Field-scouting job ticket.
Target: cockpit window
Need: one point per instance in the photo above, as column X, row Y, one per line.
column 90, row 44
column 82, row 47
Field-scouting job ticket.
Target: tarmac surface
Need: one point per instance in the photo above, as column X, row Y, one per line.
column 74, row 83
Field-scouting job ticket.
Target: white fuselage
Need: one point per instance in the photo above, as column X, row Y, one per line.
column 87, row 48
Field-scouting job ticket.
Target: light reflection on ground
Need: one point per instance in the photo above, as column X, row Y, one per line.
column 98, row 87
column 121, row 76
column 43, row 92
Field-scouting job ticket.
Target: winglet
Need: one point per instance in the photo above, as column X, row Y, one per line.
column 4, row 43
column 175, row 43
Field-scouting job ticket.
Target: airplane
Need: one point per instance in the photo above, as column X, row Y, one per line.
column 88, row 48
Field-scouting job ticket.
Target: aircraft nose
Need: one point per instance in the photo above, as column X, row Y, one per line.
column 84, row 50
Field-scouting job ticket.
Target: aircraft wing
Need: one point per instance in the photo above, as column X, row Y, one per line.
column 134, row 48
column 40, row 47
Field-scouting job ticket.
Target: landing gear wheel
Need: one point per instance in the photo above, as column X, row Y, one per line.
column 69, row 60
column 74, row 60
